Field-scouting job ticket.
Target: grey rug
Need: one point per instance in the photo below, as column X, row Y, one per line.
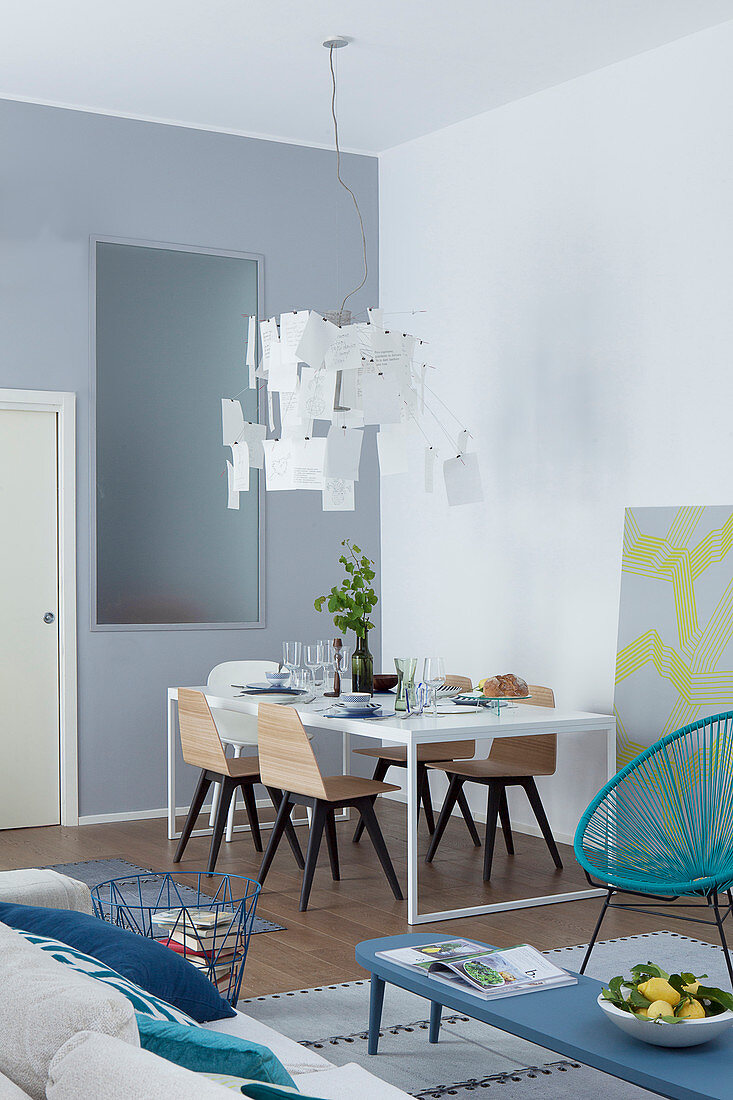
column 470, row 1056
column 94, row 871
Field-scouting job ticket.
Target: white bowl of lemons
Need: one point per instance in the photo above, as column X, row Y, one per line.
column 676, row 1010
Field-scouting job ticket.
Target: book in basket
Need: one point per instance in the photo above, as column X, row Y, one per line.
column 483, row 971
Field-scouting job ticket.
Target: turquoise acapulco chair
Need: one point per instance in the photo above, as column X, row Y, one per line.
column 663, row 828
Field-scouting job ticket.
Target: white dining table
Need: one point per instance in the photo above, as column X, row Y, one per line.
column 479, row 723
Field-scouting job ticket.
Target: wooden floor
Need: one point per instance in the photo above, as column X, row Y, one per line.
column 317, row 947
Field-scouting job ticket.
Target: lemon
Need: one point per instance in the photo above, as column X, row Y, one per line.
column 693, row 1010
column 692, row 987
column 641, row 1012
column 659, row 1008
column 657, row 989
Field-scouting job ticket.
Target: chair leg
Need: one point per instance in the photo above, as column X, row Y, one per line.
column 228, row 787
column 468, row 817
column 366, row 806
column 721, row 933
column 506, row 825
column 493, row 802
column 332, row 842
column 284, row 810
column 539, row 812
column 320, row 814
column 248, row 793
column 379, row 773
column 423, row 786
column 276, row 798
column 454, row 787
column 194, row 810
column 596, row 930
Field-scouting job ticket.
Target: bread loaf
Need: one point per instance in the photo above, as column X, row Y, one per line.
column 508, row 686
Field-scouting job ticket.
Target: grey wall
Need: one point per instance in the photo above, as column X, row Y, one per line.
column 65, row 175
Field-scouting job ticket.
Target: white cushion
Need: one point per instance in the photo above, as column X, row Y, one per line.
column 350, row 1082
column 294, row 1057
column 10, row 1091
column 93, row 1066
column 42, row 1004
column 46, row 888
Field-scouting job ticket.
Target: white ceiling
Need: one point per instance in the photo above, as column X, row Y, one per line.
column 259, row 68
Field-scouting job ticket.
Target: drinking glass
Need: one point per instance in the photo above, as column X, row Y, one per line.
column 329, row 663
column 291, row 659
column 434, row 675
column 313, row 658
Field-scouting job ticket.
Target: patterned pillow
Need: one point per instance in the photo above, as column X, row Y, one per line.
column 142, row 1001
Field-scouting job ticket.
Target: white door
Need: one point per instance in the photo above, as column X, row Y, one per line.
column 29, row 645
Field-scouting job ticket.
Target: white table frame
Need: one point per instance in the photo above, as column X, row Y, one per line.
column 510, row 722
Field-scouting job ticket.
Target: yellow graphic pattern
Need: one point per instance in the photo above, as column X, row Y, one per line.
column 692, row 670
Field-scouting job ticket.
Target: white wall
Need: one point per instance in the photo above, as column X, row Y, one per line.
column 574, row 251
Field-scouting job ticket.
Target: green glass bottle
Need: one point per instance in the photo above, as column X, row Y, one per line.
column 362, row 666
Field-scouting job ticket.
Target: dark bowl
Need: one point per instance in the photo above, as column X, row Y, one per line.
column 385, row 681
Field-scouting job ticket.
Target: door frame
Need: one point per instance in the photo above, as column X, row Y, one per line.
column 64, row 405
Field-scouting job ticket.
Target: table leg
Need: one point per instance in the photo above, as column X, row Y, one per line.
column 376, row 1000
column 412, row 794
column 172, row 708
column 435, row 1010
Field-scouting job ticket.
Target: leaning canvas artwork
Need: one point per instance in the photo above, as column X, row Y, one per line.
column 675, row 639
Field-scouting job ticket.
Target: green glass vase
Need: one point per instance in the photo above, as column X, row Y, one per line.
column 362, row 666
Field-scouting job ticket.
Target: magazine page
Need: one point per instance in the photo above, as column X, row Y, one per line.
column 535, row 965
column 489, row 972
column 425, row 955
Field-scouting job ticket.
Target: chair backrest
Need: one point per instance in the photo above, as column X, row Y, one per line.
column 666, row 817
column 287, row 760
column 231, row 726
column 200, row 739
column 449, row 750
column 538, row 752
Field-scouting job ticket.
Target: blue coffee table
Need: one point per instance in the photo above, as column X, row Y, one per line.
column 565, row 1020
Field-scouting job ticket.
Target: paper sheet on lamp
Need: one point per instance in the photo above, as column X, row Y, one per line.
column 463, row 480
column 232, row 494
column 292, row 327
column 345, row 351
column 338, row 495
column 308, row 457
column 392, row 449
column 343, row 453
column 250, row 360
column 380, row 399
column 232, row 421
column 317, row 390
column 318, row 335
column 278, row 464
column 253, row 435
column 292, row 424
column 240, row 462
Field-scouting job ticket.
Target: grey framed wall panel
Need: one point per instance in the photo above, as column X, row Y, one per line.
column 169, row 325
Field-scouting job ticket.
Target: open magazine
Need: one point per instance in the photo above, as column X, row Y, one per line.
column 485, row 972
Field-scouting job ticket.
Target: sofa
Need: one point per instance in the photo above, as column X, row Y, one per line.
column 64, row 1035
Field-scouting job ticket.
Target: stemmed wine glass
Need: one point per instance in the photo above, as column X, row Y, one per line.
column 313, row 658
column 434, row 676
column 328, row 654
column 291, row 659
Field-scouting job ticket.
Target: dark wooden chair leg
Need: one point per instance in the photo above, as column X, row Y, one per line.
column 492, row 812
column 276, row 798
column 451, row 798
column 194, row 810
column 320, row 813
column 539, row 812
column 284, row 810
column 366, row 806
column 506, row 824
column 248, row 793
column 380, row 771
column 228, row 787
column 423, row 789
column 332, row 842
column 468, row 817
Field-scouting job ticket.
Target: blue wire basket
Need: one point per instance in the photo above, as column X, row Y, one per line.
column 209, row 929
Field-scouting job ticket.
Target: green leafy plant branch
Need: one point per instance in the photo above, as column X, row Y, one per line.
column 352, row 602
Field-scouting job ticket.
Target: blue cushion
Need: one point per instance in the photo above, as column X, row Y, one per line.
column 206, row 1051
column 151, row 965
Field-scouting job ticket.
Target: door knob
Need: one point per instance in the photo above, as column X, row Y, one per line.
column 49, row 617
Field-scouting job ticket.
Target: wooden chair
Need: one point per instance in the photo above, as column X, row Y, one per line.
column 288, row 763
column 395, row 756
column 512, row 761
column 202, row 748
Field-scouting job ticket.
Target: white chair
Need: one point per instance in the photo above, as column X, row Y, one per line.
column 242, row 727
